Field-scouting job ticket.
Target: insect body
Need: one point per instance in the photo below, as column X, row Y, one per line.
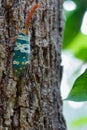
column 21, row 54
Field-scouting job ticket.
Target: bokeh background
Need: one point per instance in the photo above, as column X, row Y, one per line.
column 74, row 60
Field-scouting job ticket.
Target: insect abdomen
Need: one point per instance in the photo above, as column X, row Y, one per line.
column 21, row 54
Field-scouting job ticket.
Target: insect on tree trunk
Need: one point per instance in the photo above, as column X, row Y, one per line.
column 33, row 101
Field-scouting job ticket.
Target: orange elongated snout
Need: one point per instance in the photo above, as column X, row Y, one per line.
column 27, row 22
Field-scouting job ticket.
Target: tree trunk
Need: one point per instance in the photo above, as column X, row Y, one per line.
column 32, row 102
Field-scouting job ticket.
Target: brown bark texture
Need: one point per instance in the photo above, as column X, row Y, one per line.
column 32, row 102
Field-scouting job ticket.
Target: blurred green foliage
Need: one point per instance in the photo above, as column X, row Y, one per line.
column 74, row 40
column 79, row 122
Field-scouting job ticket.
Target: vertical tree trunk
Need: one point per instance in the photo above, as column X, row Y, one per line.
column 33, row 102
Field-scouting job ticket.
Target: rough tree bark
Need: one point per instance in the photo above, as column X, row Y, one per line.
column 33, row 102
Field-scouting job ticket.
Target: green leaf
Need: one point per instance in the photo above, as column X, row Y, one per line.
column 79, row 122
column 82, row 3
column 73, row 21
column 72, row 25
column 78, row 92
column 78, row 46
